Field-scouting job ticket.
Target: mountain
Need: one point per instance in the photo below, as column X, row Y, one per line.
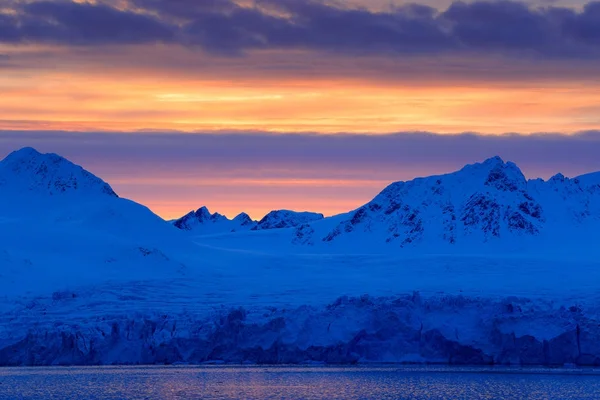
column 60, row 224
column 27, row 171
column 486, row 206
column 203, row 222
column 286, row 219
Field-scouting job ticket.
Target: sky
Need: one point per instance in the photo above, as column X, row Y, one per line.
column 253, row 105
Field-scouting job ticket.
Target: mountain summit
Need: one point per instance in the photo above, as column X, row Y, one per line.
column 27, row 170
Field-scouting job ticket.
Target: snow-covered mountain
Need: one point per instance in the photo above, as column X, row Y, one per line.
column 60, row 224
column 489, row 205
column 279, row 219
column 28, row 172
column 203, row 222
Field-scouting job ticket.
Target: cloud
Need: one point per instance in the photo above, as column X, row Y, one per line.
column 541, row 154
column 584, row 26
column 224, row 26
column 186, row 9
column 72, row 23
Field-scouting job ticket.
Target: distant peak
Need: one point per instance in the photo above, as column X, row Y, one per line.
column 203, row 214
column 203, row 220
column 203, row 210
column 558, row 178
column 242, row 218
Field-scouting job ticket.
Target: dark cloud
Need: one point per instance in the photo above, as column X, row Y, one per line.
column 8, row 28
column 380, row 156
column 225, row 26
column 501, row 24
column 240, row 29
column 584, row 26
column 186, row 9
column 407, row 29
column 68, row 22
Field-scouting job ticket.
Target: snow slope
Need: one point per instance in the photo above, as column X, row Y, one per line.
column 89, row 278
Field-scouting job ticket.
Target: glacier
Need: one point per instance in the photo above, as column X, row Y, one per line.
column 400, row 329
column 479, row 266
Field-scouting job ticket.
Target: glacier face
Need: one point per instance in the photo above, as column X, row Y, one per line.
column 503, row 270
column 403, row 329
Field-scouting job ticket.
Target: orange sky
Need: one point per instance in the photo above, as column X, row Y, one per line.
column 71, row 95
column 54, row 100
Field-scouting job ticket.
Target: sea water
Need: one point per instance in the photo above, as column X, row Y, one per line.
column 293, row 382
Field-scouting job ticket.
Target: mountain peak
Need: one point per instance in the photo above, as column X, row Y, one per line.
column 203, row 214
column 496, row 173
column 25, row 152
column 203, row 221
column 495, row 160
column 243, row 219
column 506, row 177
column 28, row 170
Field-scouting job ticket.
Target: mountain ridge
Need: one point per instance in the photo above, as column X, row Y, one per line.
column 485, row 203
column 480, row 203
column 203, row 221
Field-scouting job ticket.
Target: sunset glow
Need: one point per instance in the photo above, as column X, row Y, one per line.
column 79, row 100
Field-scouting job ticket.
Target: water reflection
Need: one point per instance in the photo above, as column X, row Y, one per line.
column 297, row 383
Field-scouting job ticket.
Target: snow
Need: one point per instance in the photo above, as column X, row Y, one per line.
column 87, row 277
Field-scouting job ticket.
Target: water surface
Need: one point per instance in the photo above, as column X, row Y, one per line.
column 258, row 382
